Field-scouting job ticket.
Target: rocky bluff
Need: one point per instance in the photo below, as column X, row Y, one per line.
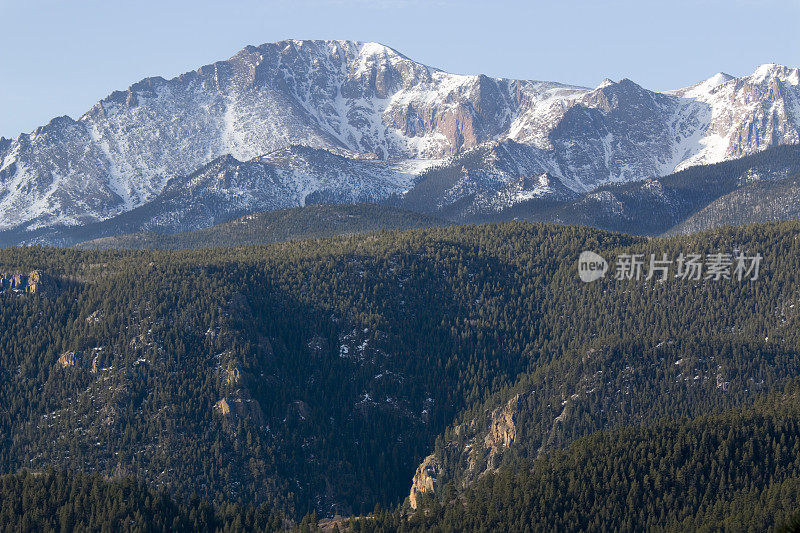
column 30, row 283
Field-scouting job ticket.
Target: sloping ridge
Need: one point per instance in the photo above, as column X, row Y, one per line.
column 313, row 221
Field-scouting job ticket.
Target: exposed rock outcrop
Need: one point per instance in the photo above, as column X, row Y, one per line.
column 240, row 405
column 69, row 359
column 222, row 407
column 481, row 454
column 425, row 479
column 503, row 427
column 297, row 411
column 31, row 283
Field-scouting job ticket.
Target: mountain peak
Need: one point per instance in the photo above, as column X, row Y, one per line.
column 770, row 71
column 703, row 87
column 718, row 79
column 334, row 55
column 375, row 109
column 364, row 47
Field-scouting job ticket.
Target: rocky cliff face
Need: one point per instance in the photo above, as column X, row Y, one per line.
column 365, row 100
column 31, row 283
column 481, row 452
column 745, row 115
column 425, row 479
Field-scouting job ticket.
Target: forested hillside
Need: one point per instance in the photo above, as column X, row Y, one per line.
column 309, row 222
column 57, row 501
column 738, row 470
column 318, row 374
column 756, row 202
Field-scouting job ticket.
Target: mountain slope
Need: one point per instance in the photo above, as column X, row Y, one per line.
column 482, row 179
column 636, row 368
column 755, row 202
column 313, row 221
column 364, row 99
column 50, row 501
column 653, row 207
column 228, row 188
column 318, row 374
column 734, row 470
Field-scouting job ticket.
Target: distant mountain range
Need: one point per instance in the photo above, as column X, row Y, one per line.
column 294, row 123
column 756, row 188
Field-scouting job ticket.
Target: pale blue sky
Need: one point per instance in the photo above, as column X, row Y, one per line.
column 60, row 56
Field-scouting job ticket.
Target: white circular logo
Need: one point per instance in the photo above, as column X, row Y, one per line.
column 591, row 266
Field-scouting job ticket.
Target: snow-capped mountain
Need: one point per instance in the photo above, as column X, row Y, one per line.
column 299, row 175
column 386, row 124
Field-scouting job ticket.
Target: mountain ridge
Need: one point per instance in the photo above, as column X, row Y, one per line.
column 366, row 100
column 297, row 223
